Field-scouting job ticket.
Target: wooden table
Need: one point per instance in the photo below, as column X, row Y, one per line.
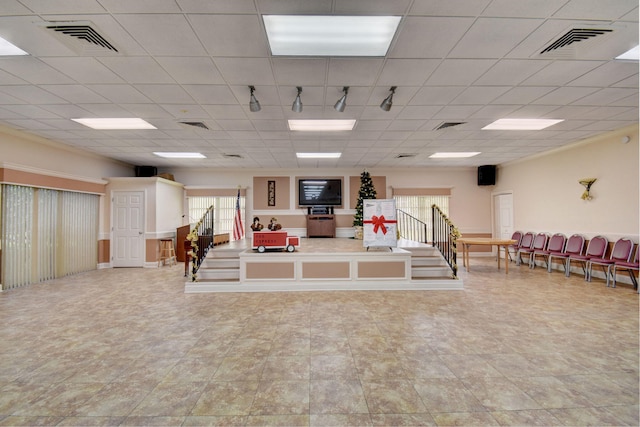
column 485, row 241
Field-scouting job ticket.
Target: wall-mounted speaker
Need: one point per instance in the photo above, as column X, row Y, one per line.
column 146, row 171
column 487, row 175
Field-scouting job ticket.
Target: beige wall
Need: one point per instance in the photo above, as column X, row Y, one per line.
column 546, row 192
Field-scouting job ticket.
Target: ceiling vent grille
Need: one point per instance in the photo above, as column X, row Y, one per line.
column 232, row 156
column 575, row 35
column 446, row 125
column 405, row 155
column 81, row 37
column 196, row 124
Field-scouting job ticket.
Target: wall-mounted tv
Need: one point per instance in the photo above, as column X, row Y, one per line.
column 320, row 192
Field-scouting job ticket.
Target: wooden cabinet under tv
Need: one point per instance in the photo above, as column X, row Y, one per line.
column 321, row 226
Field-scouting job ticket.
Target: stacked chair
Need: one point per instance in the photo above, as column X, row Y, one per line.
column 630, row 266
column 574, row 246
column 621, row 252
column 539, row 244
column 525, row 243
column 595, row 249
column 556, row 244
column 517, row 236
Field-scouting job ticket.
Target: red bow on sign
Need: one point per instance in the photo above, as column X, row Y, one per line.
column 377, row 223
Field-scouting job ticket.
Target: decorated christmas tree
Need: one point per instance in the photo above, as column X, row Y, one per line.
column 367, row 191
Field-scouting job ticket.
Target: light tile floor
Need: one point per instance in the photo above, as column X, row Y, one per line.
column 128, row 347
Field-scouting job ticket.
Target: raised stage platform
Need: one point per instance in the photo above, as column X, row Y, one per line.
column 323, row 264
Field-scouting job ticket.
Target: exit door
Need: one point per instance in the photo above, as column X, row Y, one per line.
column 503, row 215
column 128, row 229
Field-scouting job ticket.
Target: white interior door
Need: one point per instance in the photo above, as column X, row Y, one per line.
column 128, row 229
column 503, row 215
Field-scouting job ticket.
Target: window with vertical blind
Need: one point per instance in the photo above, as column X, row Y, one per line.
column 417, row 202
column 224, row 210
column 46, row 234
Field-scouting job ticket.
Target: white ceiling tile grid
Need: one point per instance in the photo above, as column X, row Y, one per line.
column 462, row 62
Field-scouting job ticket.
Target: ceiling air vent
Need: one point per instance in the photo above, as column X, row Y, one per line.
column 574, row 35
column 196, row 124
column 405, row 155
column 445, row 125
column 81, row 37
column 232, row 156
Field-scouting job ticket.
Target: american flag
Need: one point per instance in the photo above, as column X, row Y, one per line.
column 238, row 229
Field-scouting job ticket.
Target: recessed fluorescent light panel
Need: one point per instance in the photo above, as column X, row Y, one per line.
column 9, row 49
column 179, row 155
column 459, row 155
column 632, row 54
column 304, row 35
column 521, row 124
column 318, row 155
column 115, row 123
column 321, row 125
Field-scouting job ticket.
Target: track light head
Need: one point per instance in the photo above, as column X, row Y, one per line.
column 342, row 102
column 388, row 101
column 297, row 104
column 254, row 104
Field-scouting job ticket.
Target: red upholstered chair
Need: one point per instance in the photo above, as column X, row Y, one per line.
column 621, row 252
column 556, row 244
column 630, row 266
column 517, row 236
column 574, row 246
column 595, row 249
column 525, row 243
column 539, row 244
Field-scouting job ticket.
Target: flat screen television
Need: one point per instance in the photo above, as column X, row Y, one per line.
column 320, row 192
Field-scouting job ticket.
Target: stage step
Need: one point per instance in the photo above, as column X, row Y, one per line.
column 427, row 261
column 205, row 274
column 221, row 262
column 429, row 272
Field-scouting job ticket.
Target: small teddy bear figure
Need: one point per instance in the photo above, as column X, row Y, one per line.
column 256, row 226
column 273, row 224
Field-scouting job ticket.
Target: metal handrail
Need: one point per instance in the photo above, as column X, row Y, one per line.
column 411, row 228
column 445, row 236
column 201, row 238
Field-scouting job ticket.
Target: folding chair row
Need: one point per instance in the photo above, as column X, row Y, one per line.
column 572, row 250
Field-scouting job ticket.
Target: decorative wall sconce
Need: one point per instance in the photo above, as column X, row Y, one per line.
column 587, row 183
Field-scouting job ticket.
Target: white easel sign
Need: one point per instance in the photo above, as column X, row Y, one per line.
column 380, row 223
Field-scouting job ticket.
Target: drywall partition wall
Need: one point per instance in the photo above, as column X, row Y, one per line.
column 169, row 207
column 21, row 149
column 547, row 195
column 469, row 207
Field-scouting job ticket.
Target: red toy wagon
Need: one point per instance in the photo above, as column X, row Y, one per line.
column 263, row 240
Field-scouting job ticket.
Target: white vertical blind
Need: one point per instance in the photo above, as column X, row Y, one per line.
column 17, row 235
column 420, row 207
column 46, row 234
column 224, row 211
column 47, row 217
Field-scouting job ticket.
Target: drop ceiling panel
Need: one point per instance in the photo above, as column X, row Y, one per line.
column 428, row 37
column 75, row 94
column 140, row 6
column 231, row 35
column 217, row 6
column 493, row 37
column 66, row 6
column 449, row 8
column 84, row 70
column 300, row 72
column 161, row 34
column 137, row 69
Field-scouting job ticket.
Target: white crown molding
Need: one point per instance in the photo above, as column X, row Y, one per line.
column 46, row 172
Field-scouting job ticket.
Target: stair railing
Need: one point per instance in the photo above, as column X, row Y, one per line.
column 410, row 227
column 445, row 236
column 201, row 238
